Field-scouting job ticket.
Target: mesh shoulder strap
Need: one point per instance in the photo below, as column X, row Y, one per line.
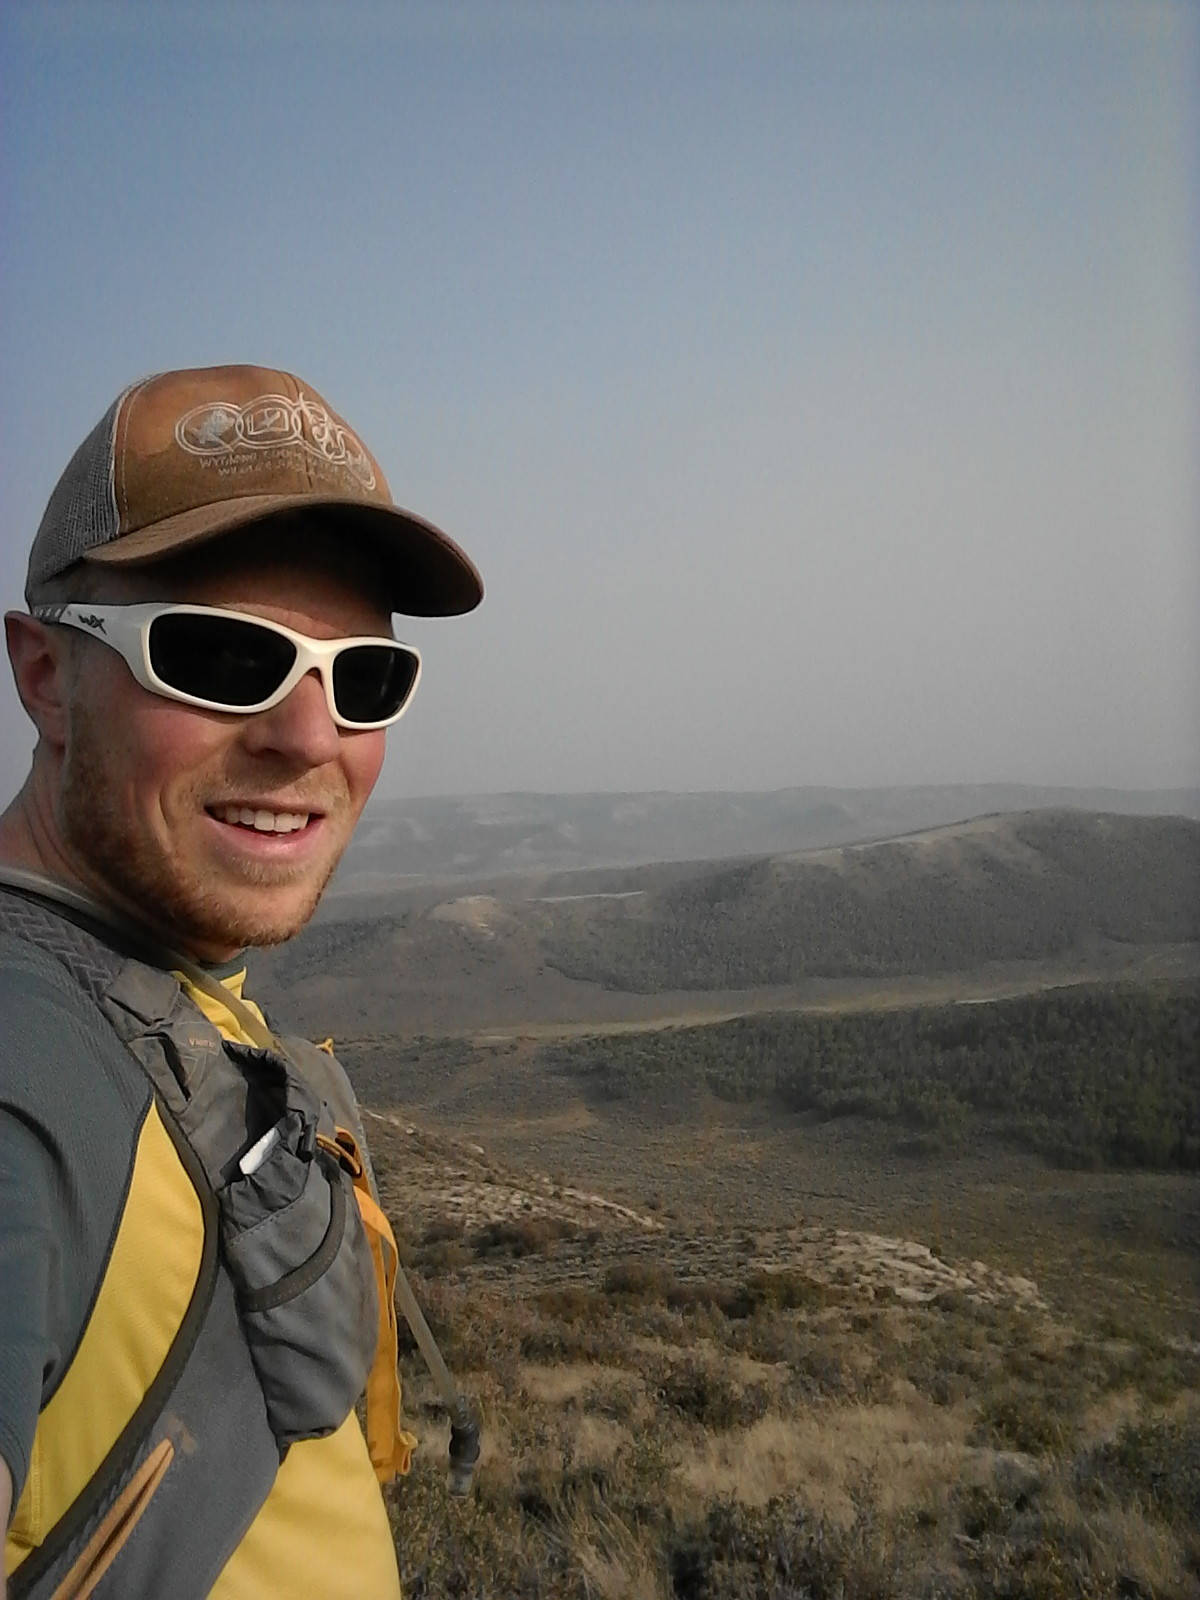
column 92, row 963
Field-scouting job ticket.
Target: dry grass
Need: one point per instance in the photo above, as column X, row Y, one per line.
column 612, row 1558
column 912, row 1452
column 696, row 1388
column 776, row 1449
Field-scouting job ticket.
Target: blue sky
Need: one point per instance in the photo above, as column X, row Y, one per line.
column 816, row 387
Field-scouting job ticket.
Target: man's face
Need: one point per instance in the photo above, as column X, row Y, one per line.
column 154, row 794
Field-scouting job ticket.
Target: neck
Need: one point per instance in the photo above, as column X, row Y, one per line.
column 29, row 838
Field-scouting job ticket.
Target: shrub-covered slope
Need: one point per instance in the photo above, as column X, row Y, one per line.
column 1029, row 886
column 1088, row 1076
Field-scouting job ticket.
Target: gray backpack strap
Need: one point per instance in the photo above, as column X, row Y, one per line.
column 200, row 1437
column 291, row 1234
column 217, row 1103
column 201, row 1422
column 92, row 963
column 325, row 1073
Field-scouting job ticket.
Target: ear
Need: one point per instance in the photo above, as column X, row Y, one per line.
column 42, row 671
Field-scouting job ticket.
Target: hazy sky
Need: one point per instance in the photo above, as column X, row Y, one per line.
column 816, row 387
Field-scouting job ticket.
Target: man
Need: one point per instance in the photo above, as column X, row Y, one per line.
column 193, row 1271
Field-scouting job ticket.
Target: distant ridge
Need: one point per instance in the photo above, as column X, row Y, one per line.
column 1019, row 900
column 484, row 836
column 1022, row 887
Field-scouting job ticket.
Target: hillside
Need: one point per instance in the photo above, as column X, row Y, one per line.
column 727, row 1350
column 1090, row 1076
column 1010, row 888
column 999, row 904
column 684, row 1406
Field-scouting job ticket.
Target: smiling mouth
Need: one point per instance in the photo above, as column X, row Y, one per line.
column 260, row 820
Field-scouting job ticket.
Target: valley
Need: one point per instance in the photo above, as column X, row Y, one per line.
column 847, row 1251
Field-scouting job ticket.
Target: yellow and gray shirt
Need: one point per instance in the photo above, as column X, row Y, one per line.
column 101, row 1237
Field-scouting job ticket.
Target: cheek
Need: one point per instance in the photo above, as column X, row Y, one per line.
column 167, row 747
column 141, row 741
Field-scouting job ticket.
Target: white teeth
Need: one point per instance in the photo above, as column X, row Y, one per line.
column 262, row 821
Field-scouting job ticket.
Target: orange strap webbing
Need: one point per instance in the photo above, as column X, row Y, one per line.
column 389, row 1444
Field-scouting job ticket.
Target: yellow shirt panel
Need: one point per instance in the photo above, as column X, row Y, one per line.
column 323, row 1530
column 221, row 1016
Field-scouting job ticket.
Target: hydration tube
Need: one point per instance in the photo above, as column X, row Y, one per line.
column 464, row 1428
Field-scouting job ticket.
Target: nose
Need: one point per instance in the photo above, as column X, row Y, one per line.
column 299, row 728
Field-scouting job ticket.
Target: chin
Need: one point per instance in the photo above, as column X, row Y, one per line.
column 215, row 914
column 237, row 927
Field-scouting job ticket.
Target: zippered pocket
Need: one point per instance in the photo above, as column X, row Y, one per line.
column 301, row 1265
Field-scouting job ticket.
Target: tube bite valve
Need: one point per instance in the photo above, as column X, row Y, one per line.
column 464, row 1447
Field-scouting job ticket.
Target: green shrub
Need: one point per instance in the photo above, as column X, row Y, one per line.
column 1155, row 1464
column 702, row 1294
column 636, row 1279
column 448, row 1255
column 1020, row 1417
column 704, row 1395
column 571, row 1303
column 521, row 1236
column 441, row 1230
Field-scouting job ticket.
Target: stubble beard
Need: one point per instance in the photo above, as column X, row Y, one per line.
column 175, row 898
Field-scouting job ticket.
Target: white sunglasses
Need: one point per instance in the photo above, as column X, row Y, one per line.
column 228, row 661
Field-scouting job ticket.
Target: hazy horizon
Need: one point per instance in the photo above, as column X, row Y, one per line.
column 816, row 388
column 1188, row 789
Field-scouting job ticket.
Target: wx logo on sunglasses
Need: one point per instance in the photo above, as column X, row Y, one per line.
column 82, row 619
column 232, row 662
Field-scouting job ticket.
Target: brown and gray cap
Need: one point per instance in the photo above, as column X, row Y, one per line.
column 184, row 457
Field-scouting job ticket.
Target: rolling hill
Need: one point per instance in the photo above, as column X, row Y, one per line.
column 1003, row 888
column 1086, row 893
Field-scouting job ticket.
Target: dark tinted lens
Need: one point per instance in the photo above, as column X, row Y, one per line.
column 372, row 681
column 216, row 658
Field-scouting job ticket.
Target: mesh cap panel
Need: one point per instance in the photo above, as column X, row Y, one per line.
column 82, row 511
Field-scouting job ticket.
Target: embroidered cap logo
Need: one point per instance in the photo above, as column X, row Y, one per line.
column 273, row 422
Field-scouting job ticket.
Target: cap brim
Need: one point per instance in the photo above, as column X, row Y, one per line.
column 430, row 575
